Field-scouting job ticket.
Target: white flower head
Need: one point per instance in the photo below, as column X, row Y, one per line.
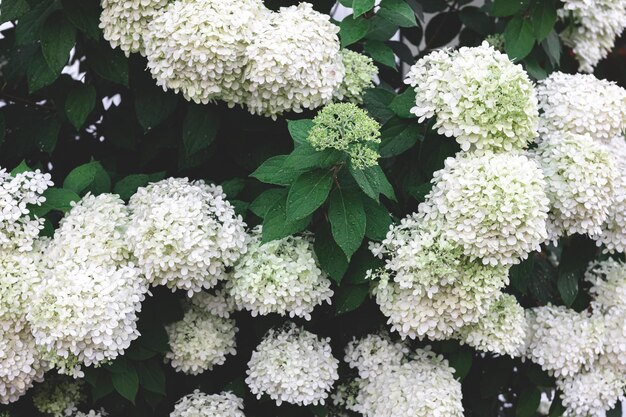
column 493, row 205
column 476, row 95
column 91, row 413
column 581, row 104
column 372, row 354
column 608, row 284
column 360, row 72
column 282, row 276
column 579, row 174
column 562, row 341
column 294, row 62
column 615, row 341
column 613, row 235
column 293, row 366
column 184, row 234
column 59, row 396
column 199, row 404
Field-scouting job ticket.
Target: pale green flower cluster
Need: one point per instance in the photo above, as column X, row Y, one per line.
column 496, row 40
column 360, row 71
column 59, row 396
column 345, row 127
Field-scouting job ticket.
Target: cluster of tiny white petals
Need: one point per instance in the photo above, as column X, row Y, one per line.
column 58, row 396
column 91, row 413
column 614, row 355
column 21, row 363
column 281, row 276
column 360, row 72
column 200, row 340
column 184, row 234
column 613, row 236
column 17, row 229
column 84, row 307
column 478, row 96
column 564, row 342
column 493, row 205
column 198, row 47
column 294, row 62
column 422, row 387
column 294, row 366
column 579, row 174
column 428, row 287
column 592, row 393
column 608, row 284
column 125, row 22
column 502, row 330
column 372, row 354
column 594, row 26
column 582, row 104
column 199, row 404
column 220, row 304
column 19, row 275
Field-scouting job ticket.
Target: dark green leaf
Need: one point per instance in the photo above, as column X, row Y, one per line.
column 557, row 409
column 261, row 205
column 306, row 157
column 380, row 53
column 79, row 103
column 12, row 9
column 109, row 63
column 319, row 410
column 377, row 102
column 476, row 19
column 567, row 284
column 31, row 24
column 350, row 297
column 552, row 46
column 21, row 168
column 544, row 18
column 518, row 38
column 275, row 224
column 59, row 199
column 528, row 403
column 615, row 411
column 84, row 15
column 420, row 191
column 233, row 187
column 381, row 29
column 128, row 186
column 274, row 171
column 403, row 103
column 329, row 254
column 398, row 136
column 386, row 188
column 89, row 177
column 39, row 74
column 520, row 274
column 461, row 361
column 442, row 29
column 378, row 220
column 103, row 386
column 151, row 376
column 199, row 128
column 308, row 192
column 502, row 8
column 47, row 133
column 352, row 30
column 154, row 338
column 347, row 219
column 126, row 383
column 362, row 6
column 57, row 40
column 153, row 106
column 137, row 352
column 362, row 262
column 299, row 130
column 367, row 179
column 398, row 12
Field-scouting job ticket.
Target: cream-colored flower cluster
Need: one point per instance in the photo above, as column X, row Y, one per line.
column 360, row 72
column 593, row 26
column 199, row 404
column 59, row 396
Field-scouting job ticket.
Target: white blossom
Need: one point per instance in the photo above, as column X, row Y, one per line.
column 59, row 396
column 493, row 205
column 372, row 354
column 614, row 354
column 294, row 366
column 562, row 341
column 282, row 276
column 219, row 304
column 359, row 74
column 476, row 95
column 613, row 235
column 293, row 62
column 199, row 404
column 200, row 340
column 579, row 174
column 184, row 234
column 581, row 104
column 608, row 284
column 91, row 413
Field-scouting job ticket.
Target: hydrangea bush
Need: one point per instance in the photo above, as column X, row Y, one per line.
column 282, row 208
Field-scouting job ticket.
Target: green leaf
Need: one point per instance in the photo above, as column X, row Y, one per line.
column 153, row 106
column 503, row 8
column 520, row 274
column 21, row 168
column 84, row 15
column 362, row 262
column 151, row 376
column 544, row 18
column 103, row 386
column 318, row 410
column 528, row 403
column 519, row 38
column 275, row 224
column 403, row 103
column 12, row 9
column 347, row 219
column 367, row 179
column 274, row 171
column 261, row 205
column 47, row 133
column 378, row 220
column 308, row 192
column 154, row 338
column 377, row 102
column 31, row 24
column 476, row 19
column 128, row 186
column 329, row 254
column 57, row 40
column 39, row 74
column 380, row 53
column 233, row 187
column 567, row 284
column 461, row 361
column 362, row 6
column 442, row 29
column 398, row 136
column 306, row 157
column 552, row 46
column 59, row 199
column 380, row 29
column 398, row 12
column 79, row 103
column 109, row 63
column 352, row 30
column 420, row 191
column 126, row 383
column 199, row 128
column 350, row 297
column 299, row 130
column 90, row 177
column 386, row 188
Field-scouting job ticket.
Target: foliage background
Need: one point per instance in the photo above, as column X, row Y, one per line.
column 110, row 128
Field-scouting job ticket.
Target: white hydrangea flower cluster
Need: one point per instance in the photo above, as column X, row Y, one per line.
column 580, row 174
column 17, row 229
column 564, row 342
column 219, row 304
column 199, row 404
column 608, row 285
column 59, row 396
column 581, row 104
column 199, row 47
column 84, row 309
column 428, row 287
column 292, row 365
column 372, row 354
column 615, row 341
column 125, row 22
column 201, row 339
column 18, row 276
column 503, row 330
column 91, row 413
column 281, row 276
column 360, row 72
column 294, row 62
column 478, row 96
column 422, row 387
column 493, row 205
column 594, row 26
column 613, row 236
column 184, row 234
